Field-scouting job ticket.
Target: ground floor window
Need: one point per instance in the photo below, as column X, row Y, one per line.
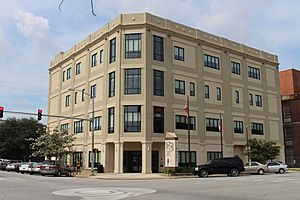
column 77, row 157
column 213, row 155
column 183, row 158
column 97, row 159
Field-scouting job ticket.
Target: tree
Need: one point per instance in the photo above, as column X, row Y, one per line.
column 53, row 143
column 14, row 135
column 262, row 151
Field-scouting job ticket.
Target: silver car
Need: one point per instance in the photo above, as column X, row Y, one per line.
column 255, row 168
column 277, row 167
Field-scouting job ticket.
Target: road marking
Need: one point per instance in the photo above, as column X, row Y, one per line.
column 105, row 193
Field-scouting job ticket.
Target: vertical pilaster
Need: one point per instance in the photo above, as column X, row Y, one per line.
column 146, row 157
column 118, row 157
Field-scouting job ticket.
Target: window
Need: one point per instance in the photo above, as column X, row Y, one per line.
column 111, row 120
column 93, row 91
column 211, row 61
column 82, row 95
column 112, row 45
column 67, row 103
column 132, row 81
column 158, row 48
column 251, row 99
column 75, row 97
column 77, row 157
column 178, row 53
column 64, row 127
column 192, row 89
column 183, row 158
column 258, row 100
column 211, row 155
column 78, row 128
column 97, row 123
column 77, row 68
column 94, row 59
column 158, row 82
column 63, row 76
column 253, row 72
column 182, row 122
column 132, row 118
column 133, row 45
column 219, row 95
column 158, row 119
column 212, row 124
column 68, row 73
column 97, row 158
column 179, row 87
column 111, row 84
column 286, row 113
column 257, row 128
column 237, row 97
column 288, row 134
column 235, row 68
column 101, row 56
column 238, row 127
column 206, row 91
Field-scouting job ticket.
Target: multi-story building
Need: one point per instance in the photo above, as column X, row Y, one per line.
column 290, row 96
column 140, row 68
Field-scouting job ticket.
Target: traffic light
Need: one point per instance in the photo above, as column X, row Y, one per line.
column 40, row 113
column 1, row 111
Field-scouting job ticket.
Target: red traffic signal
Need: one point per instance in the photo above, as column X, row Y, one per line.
column 1, row 111
column 40, row 114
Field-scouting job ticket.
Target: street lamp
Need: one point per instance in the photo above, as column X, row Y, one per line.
column 92, row 126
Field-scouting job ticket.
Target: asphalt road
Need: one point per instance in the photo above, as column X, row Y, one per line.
column 15, row 186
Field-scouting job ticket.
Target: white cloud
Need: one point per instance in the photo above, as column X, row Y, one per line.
column 4, row 46
column 31, row 25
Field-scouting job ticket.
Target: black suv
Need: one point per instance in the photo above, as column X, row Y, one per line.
column 232, row 166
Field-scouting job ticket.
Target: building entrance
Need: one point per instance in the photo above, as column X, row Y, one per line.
column 132, row 161
column 155, row 162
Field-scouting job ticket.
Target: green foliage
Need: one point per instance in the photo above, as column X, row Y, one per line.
column 54, row 143
column 14, row 135
column 262, row 151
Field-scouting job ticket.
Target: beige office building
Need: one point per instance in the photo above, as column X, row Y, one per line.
column 140, row 68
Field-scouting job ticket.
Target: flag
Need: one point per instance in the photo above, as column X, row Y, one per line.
column 186, row 108
column 220, row 123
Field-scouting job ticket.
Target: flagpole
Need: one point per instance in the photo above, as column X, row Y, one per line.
column 221, row 135
column 189, row 135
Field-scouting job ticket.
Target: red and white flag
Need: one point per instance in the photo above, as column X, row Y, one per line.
column 186, row 108
column 220, row 123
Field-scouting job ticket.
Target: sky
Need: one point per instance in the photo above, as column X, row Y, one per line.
column 32, row 32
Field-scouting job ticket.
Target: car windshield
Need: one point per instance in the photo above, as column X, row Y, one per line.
column 49, row 162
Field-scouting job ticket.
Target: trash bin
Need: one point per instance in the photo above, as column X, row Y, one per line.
column 100, row 168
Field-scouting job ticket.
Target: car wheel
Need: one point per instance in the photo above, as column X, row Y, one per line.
column 203, row 173
column 281, row 171
column 43, row 174
column 22, row 172
column 261, row 172
column 234, row 172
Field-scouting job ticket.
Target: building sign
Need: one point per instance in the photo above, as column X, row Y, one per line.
column 171, row 150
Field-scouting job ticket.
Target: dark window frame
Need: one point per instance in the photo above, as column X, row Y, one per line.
column 206, row 91
column 78, row 127
column 111, row 120
column 67, row 101
column 93, row 91
column 158, row 119
column 257, row 128
column 183, row 158
column 219, row 94
column 181, row 122
column 111, row 84
column 212, row 124
column 135, row 40
column 211, row 61
column 158, row 83
column 258, row 100
column 94, row 60
column 237, row 96
column 179, row 53
column 181, row 87
column 253, row 72
column 251, row 99
column 77, row 70
column 238, row 126
column 112, row 50
column 133, row 81
column 97, row 123
column 158, row 48
column 101, row 56
column 235, row 68
column 130, row 112
column 192, row 89
column 68, row 73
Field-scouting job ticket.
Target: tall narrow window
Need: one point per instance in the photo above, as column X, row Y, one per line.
column 206, row 91
column 111, row 120
column 219, row 94
column 67, row 103
column 94, row 60
column 63, row 76
column 82, row 95
column 251, row 99
column 133, row 45
column 158, row 48
column 101, row 56
column 132, row 81
column 75, row 97
column 235, row 68
column 237, row 97
column 111, row 89
column 158, row 82
column 97, row 123
column 158, row 119
column 78, row 127
column 258, row 100
column 211, row 61
column 69, row 73
column 192, row 89
column 132, row 118
column 93, row 91
column 77, row 68
column 179, row 87
column 178, row 53
column 238, row 126
column 112, row 52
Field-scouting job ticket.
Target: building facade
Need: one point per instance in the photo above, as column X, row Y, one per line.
column 140, row 68
column 290, row 95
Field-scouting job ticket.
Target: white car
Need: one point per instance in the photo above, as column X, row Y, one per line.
column 12, row 167
column 36, row 168
column 255, row 168
column 26, row 167
column 277, row 167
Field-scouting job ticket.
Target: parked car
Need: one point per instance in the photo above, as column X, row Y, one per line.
column 13, row 167
column 255, row 168
column 3, row 164
column 25, row 167
column 232, row 166
column 36, row 167
column 54, row 167
column 277, row 167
